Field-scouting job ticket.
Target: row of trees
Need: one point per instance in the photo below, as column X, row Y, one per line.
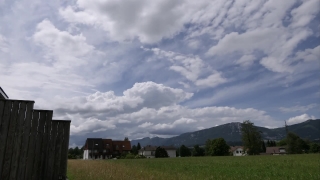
column 253, row 143
column 75, row 153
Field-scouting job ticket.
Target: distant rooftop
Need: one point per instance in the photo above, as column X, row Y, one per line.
column 3, row 95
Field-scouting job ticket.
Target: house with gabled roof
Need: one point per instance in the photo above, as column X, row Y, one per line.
column 150, row 151
column 276, row 150
column 237, row 151
column 98, row 148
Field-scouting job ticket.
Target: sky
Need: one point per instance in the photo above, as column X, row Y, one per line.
column 140, row 68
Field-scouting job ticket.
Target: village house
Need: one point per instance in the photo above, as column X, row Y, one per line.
column 98, row 148
column 276, row 151
column 149, row 151
column 237, row 151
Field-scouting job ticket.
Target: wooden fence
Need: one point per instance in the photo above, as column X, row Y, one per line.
column 32, row 145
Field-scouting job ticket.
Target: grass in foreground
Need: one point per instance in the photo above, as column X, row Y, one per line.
column 305, row 167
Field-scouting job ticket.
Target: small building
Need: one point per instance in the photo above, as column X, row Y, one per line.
column 150, row 151
column 276, row 151
column 98, row 148
column 3, row 95
column 237, row 151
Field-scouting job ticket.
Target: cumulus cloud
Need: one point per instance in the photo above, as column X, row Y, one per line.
column 133, row 114
column 62, row 48
column 130, row 19
column 146, row 94
column 299, row 119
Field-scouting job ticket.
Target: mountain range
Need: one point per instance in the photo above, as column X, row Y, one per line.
column 231, row 132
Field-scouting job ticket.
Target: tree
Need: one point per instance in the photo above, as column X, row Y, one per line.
column 314, row 148
column 126, row 139
column 294, row 143
column 184, row 151
column 282, row 142
column 197, row 151
column 251, row 138
column 134, row 150
column 161, row 153
column 268, row 143
column 138, row 147
column 216, row 147
column 263, row 148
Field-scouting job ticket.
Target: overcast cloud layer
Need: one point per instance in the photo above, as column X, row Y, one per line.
column 140, row 68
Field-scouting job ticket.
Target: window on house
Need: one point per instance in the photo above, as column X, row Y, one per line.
column 237, row 152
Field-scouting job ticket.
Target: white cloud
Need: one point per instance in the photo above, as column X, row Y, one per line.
column 212, row 80
column 130, row 19
column 246, row 42
column 62, row 48
column 146, row 124
column 303, row 14
column 298, row 108
column 299, row 119
column 133, row 113
column 3, row 44
column 309, row 54
column 246, row 60
column 191, row 67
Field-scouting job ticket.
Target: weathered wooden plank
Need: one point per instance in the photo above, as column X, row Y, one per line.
column 53, row 137
column 38, row 147
column 64, row 150
column 5, row 119
column 45, row 151
column 17, row 140
column 10, row 141
column 57, row 156
column 31, row 147
column 25, row 141
column 2, row 102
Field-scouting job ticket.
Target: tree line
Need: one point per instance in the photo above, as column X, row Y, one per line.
column 251, row 140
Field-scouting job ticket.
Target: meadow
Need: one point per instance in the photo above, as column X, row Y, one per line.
column 306, row 167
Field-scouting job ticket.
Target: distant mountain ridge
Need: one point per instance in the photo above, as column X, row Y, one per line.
column 231, row 132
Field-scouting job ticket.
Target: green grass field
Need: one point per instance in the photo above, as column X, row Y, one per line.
column 304, row 167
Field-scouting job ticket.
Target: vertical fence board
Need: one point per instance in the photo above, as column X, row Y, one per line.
column 32, row 142
column 17, row 140
column 64, row 150
column 25, row 141
column 10, row 141
column 38, row 147
column 57, row 156
column 53, row 136
column 2, row 102
column 4, row 131
column 45, row 149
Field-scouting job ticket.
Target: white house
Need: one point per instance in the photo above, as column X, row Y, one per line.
column 149, row 151
column 237, row 151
